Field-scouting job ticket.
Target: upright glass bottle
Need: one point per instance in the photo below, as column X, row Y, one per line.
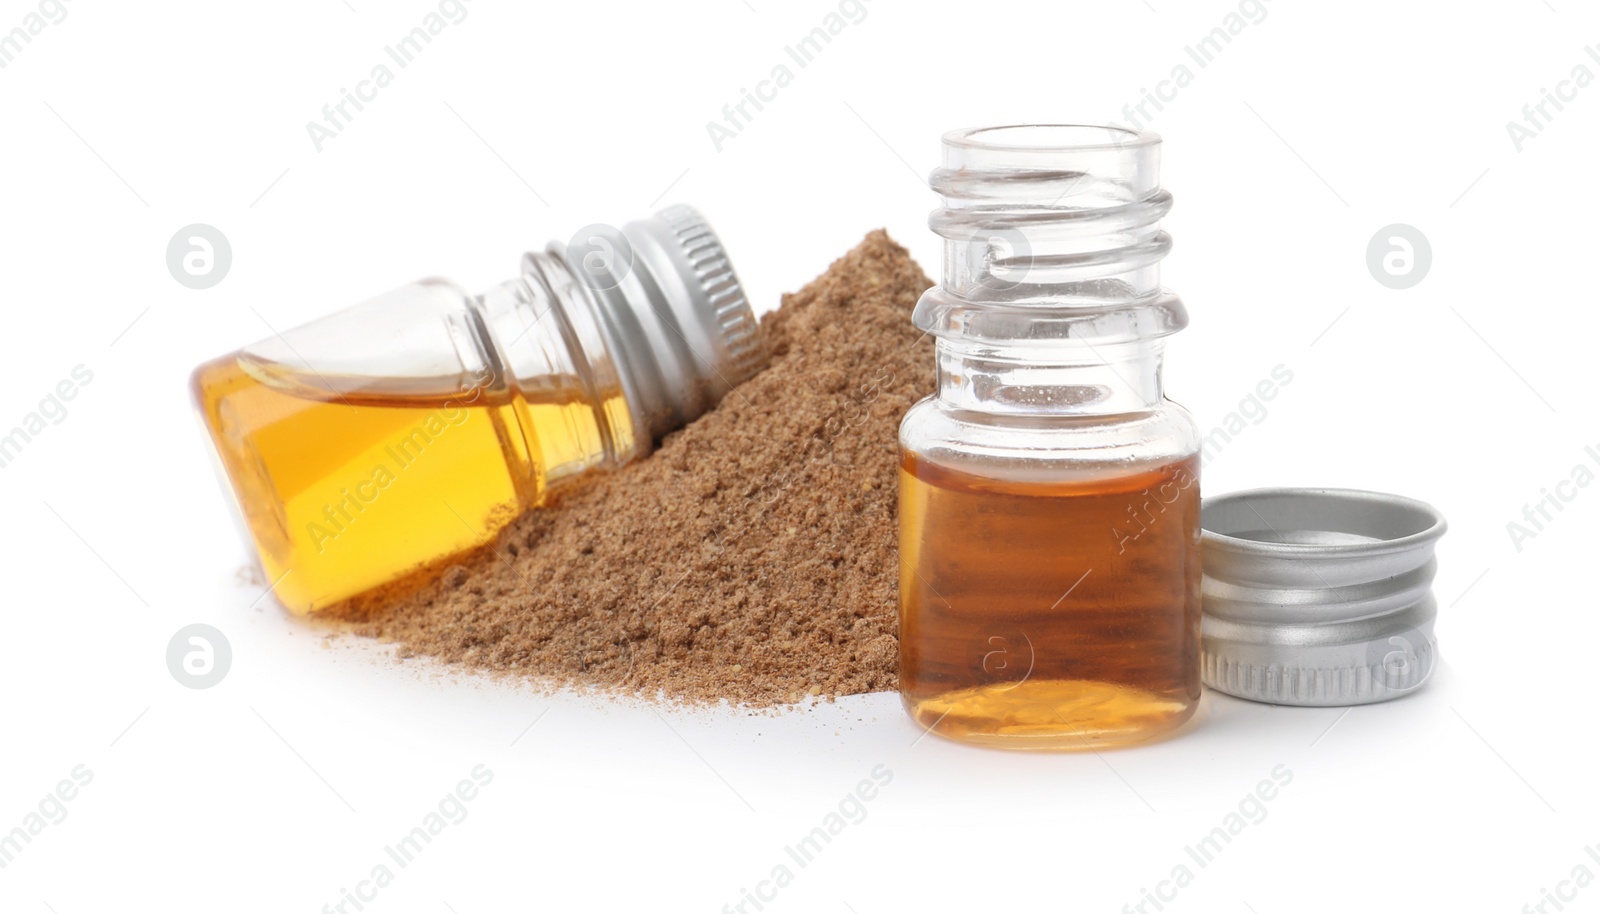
column 412, row 427
column 1049, row 492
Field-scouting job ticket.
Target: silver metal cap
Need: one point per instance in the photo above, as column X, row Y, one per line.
column 1318, row 597
column 677, row 318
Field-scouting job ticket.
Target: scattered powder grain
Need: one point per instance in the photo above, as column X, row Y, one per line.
column 751, row 558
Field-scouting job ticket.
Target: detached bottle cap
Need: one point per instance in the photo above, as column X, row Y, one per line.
column 1318, row 597
column 672, row 311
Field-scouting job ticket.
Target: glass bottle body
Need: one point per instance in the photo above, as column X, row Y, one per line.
column 1049, row 492
column 411, row 428
column 349, row 481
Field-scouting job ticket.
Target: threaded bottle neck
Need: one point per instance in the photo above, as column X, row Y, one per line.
column 1051, row 213
column 1051, row 299
column 1051, row 232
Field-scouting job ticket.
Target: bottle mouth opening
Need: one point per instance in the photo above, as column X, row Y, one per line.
column 1050, row 137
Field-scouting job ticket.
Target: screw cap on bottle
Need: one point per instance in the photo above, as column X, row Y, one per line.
column 677, row 317
column 1318, row 597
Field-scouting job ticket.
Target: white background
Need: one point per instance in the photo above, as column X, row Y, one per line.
column 279, row 787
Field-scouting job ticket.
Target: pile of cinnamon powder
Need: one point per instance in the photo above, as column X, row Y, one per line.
column 751, row 558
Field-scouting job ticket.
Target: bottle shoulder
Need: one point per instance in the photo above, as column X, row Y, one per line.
column 998, row 444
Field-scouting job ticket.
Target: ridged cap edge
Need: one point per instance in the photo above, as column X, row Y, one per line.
column 1280, row 684
column 741, row 351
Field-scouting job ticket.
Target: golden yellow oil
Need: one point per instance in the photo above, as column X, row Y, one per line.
column 342, row 493
column 1060, row 615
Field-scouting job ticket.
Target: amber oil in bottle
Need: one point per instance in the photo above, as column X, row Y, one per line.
column 1060, row 614
column 343, row 494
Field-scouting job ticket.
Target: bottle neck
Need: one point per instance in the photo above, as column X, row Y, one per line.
column 1060, row 380
column 1051, row 298
column 1006, row 265
column 552, row 351
column 646, row 324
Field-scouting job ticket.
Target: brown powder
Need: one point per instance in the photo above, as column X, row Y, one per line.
column 751, row 558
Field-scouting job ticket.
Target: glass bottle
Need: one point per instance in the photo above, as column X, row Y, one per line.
column 1049, row 492
column 412, row 427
